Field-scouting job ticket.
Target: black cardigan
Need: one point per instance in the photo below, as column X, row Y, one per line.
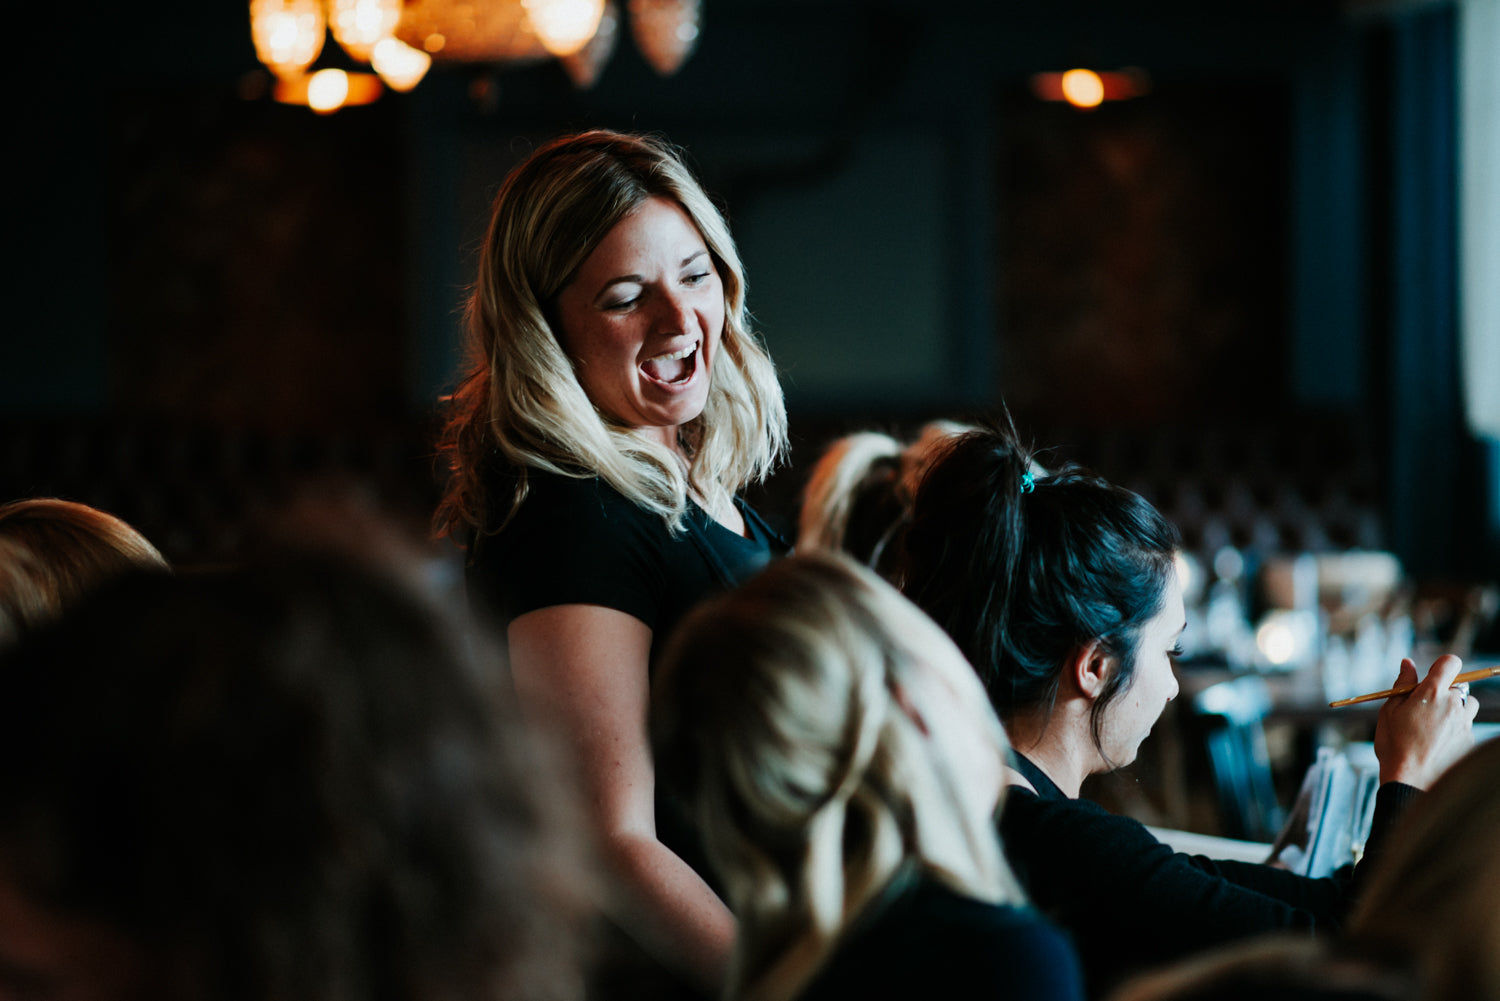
column 1131, row 902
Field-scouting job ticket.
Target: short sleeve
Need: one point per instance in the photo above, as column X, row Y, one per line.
column 573, row 541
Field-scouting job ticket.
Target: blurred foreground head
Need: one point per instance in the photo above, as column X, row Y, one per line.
column 1432, row 898
column 829, row 737
column 290, row 781
column 54, row 551
column 1426, row 926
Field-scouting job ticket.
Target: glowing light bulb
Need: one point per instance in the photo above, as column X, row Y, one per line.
column 564, row 26
column 399, row 65
column 585, row 65
column 1083, row 88
column 327, row 90
column 360, row 24
column 288, row 34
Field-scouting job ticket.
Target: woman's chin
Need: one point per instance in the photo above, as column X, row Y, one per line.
column 674, row 409
column 1127, row 755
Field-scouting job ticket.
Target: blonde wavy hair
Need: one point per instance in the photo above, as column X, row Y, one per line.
column 782, row 711
column 520, row 394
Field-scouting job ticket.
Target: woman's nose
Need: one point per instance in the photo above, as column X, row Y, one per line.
column 674, row 313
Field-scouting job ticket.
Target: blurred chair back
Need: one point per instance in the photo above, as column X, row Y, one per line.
column 1231, row 717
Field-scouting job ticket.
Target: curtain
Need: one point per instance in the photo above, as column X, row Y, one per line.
column 1479, row 213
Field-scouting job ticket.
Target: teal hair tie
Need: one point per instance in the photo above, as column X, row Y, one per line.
column 1028, row 482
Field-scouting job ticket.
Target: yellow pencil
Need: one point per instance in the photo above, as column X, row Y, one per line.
column 1483, row 672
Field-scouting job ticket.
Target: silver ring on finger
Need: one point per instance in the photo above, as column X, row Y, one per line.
column 1463, row 693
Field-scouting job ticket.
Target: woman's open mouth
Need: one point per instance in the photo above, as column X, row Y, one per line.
column 674, row 369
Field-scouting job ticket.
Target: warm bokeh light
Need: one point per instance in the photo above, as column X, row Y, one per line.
column 1277, row 641
column 399, row 65
column 584, row 66
column 1083, row 88
column 1287, row 638
column 564, row 26
column 463, row 31
column 327, row 90
column 359, row 25
column 288, row 34
column 666, row 31
column 1086, row 89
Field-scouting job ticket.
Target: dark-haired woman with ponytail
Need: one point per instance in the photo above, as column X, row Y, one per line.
column 1062, row 591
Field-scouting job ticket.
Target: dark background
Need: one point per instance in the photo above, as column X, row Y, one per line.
column 1236, row 293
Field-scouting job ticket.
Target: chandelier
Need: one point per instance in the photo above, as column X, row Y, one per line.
column 401, row 39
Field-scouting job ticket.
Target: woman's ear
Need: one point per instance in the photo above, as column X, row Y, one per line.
column 1089, row 668
column 903, row 699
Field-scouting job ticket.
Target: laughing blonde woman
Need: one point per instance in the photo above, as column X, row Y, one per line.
column 615, row 405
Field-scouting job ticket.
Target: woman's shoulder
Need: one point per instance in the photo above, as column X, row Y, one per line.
column 938, row 905
column 935, row 941
column 567, row 521
column 949, row 913
column 571, row 500
column 981, row 942
column 1025, row 810
column 1056, row 844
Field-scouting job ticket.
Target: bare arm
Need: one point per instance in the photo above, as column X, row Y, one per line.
column 584, row 668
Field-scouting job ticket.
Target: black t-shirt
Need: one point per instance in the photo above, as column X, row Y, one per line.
column 1131, row 902
column 579, row 541
column 929, row 942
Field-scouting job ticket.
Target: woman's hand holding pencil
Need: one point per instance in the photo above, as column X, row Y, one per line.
column 1462, row 679
column 1424, row 726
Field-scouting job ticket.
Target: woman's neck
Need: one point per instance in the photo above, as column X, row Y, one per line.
column 1061, row 745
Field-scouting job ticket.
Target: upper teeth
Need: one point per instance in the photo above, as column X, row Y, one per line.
column 677, row 354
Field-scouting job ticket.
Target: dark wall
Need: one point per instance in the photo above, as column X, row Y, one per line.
column 1227, row 249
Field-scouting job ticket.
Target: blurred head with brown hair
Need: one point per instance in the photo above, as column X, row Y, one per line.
column 292, row 780
column 53, row 551
column 1432, row 897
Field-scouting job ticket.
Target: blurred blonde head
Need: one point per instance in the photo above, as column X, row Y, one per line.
column 54, row 551
column 859, row 494
column 1432, row 896
column 829, row 737
column 854, row 467
column 520, row 395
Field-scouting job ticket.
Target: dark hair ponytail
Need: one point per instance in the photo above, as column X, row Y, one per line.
column 1022, row 568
